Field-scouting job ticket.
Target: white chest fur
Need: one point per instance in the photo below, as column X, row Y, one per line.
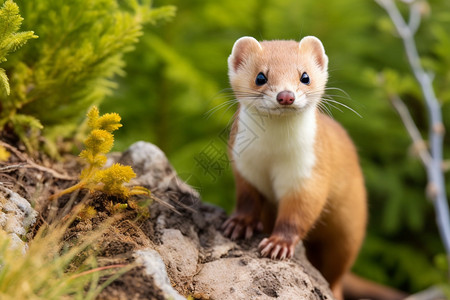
column 275, row 153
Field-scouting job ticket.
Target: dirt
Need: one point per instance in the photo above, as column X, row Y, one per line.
column 132, row 285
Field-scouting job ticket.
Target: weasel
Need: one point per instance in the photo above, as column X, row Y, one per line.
column 296, row 170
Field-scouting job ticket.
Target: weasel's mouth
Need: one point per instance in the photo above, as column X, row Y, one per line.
column 278, row 110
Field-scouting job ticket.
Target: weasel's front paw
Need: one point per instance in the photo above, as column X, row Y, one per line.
column 278, row 247
column 240, row 225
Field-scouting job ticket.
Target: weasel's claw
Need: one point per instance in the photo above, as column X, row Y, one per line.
column 248, row 232
column 259, row 227
column 266, row 250
column 283, row 253
column 237, row 231
column 238, row 226
column 276, row 248
column 228, row 227
column 275, row 252
column 226, row 223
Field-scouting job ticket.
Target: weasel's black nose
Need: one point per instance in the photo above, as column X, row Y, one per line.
column 286, row 97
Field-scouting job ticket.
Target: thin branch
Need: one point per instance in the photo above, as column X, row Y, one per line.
column 98, row 270
column 414, row 17
column 431, row 293
column 33, row 165
column 414, row 133
column 10, row 168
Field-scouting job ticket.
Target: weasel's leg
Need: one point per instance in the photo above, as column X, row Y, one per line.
column 333, row 244
column 246, row 218
column 333, row 258
column 297, row 213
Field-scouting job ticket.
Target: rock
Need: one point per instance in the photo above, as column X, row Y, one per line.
column 255, row 278
column 16, row 216
column 154, row 266
column 180, row 254
column 153, row 169
column 200, row 261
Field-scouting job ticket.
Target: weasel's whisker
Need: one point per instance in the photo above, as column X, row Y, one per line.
column 229, row 106
column 343, row 105
column 340, row 90
column 332, row 105
column 215, row 109
column 324, row 108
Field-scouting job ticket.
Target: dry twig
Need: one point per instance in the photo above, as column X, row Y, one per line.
column 33, row 165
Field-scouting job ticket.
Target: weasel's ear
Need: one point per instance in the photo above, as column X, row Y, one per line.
column 242, row 48
column 313, row 46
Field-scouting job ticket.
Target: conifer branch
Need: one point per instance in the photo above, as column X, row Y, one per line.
column 10, row 39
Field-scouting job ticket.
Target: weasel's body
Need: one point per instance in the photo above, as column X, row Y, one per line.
column 296, row 169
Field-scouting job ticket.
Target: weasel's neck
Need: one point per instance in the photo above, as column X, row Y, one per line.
column 289, row 128
column 276, row 153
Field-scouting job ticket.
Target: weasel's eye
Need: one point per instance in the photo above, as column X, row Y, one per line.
column 261, row 79
column 305, row 79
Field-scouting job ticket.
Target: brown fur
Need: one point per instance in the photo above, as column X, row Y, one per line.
column 327, row 210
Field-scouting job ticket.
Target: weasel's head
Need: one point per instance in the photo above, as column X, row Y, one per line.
column 278, row 77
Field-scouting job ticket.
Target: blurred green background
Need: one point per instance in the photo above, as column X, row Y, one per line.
column 175, row 89
column 178, row 75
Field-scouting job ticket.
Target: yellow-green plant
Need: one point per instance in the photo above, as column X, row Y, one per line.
column 4, row 154
column 98, row 143
column 46, row 270
column 10, row 38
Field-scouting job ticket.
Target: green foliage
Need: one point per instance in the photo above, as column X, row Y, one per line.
column 98, row 143
column 393, row 264
column 73, row 63
column 10, row 38
column 186, row 76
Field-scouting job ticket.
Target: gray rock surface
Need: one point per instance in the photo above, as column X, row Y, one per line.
column 16, row 216
column 154, row 266
column 200, row 261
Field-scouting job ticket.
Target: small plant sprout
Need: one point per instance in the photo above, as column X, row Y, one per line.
column 4, row 154
column 98, row 143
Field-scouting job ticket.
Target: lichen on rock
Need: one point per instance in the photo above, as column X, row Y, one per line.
column 16, row 216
